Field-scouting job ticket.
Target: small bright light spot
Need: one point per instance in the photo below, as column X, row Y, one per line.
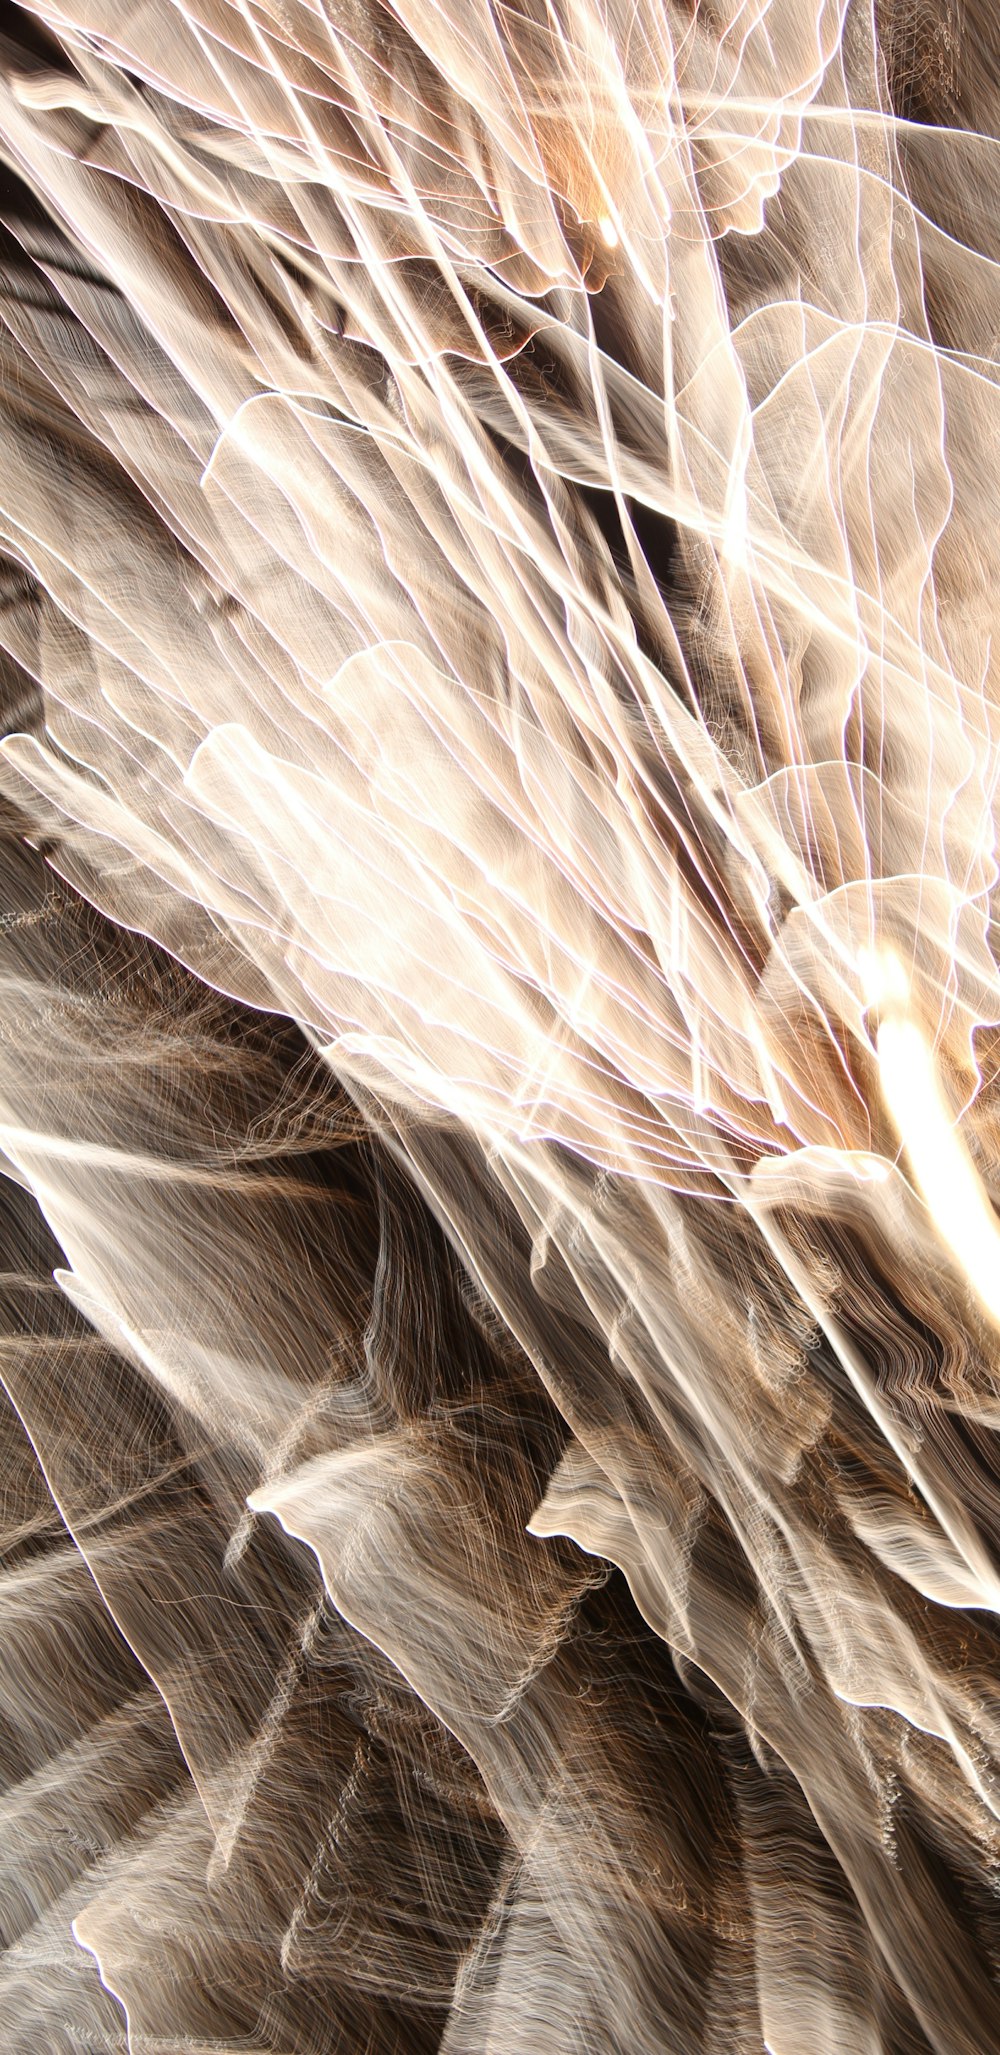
column 609, row 233
column 884, row 981
column 873, row 1170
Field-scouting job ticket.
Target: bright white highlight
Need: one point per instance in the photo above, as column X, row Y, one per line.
column 929, row 1132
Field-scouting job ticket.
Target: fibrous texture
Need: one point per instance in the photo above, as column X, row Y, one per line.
column 499, row 576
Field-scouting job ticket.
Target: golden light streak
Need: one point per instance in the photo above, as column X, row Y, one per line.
column 944, row 1171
